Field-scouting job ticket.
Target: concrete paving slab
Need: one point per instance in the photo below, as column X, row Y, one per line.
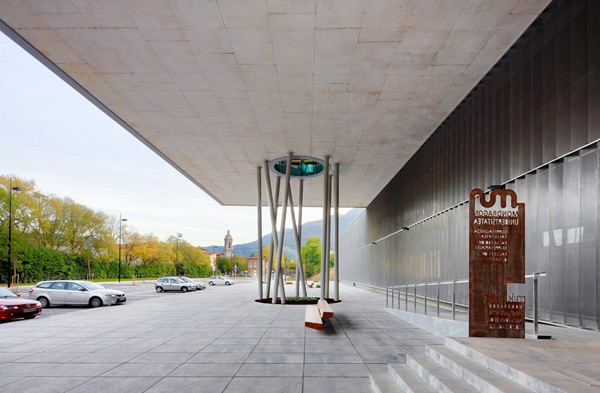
column 141, row 370
column 50, row 384
column 279, row 348
column 189, row 385
column 336, row 370
column 336, row 385
column 275, row 358
column 77, row 369
column 265, row 385
column 271, row 370
column 340, row 358
column 218, row 358
column 117, row 384
column 162, row 357
column 206, row 370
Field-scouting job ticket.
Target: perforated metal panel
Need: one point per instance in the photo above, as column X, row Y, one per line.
column 539, row 103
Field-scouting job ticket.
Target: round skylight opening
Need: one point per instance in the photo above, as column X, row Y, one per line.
column 302, row 166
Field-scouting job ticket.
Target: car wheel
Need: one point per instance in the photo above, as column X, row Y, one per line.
column 227, row 283
column 44, row 302
column 211, row 283
column 184, row 289
column 159, row 289
column 95, row 302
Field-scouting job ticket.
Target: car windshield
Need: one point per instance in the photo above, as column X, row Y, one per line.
column 5, row 293
column 186, row 279
column 92, row 285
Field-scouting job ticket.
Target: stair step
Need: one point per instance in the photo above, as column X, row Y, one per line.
column 383, row 383
column 437, row 376
column 539, row 379
column 478, row 376
column 408, row 380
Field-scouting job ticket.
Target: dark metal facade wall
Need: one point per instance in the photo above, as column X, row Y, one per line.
column 539, row 103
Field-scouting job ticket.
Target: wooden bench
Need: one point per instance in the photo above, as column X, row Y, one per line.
column 313, row 316
column 325, row 309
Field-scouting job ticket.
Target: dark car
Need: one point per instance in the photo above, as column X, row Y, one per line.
column 13, row 307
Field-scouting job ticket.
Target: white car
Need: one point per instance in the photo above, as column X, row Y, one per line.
column 75, row 292
column 220, row 280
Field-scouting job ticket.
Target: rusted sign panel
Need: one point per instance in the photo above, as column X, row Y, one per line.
column 496, row 257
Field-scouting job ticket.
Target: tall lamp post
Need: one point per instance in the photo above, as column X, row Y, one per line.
column 177, row 253
column 10, row 261
column 120, row 239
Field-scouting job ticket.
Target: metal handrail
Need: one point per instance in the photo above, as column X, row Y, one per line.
column 535, row 299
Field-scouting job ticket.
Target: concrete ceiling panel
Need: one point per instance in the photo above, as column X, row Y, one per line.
column 218, row 86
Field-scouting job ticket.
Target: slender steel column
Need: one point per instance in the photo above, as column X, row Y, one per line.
column 328, row 236
column 336, row 239
column 300, row 200
column 324, row 251
column 278, row 275
column 298, row 252
column 273, row 216
column 259, row 265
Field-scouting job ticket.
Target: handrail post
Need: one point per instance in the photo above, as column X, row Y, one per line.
column 392, row 297
column 453, row 301
column 406, row 297
column 438, row 299
column 399, row 297
column 415, row 299
column 386, row 297
column 425, row 297
column 535, row 304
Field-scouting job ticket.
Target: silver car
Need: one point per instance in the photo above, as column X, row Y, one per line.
column 220, row 280
column 75, row 292
column 198, row 284
column 164, row 284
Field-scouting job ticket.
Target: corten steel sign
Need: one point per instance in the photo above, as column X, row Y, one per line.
column 496, row 257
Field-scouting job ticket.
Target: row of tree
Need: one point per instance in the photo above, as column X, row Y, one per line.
column 59, row 238
column 56, row 238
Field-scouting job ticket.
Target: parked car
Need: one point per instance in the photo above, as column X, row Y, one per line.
column 200, row 285
column 220, row 280
column 75, row 292
column 173, row 284
column 13, row 307
column 189, row 281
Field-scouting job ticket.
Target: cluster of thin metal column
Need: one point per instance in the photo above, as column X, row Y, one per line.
column 277, row 238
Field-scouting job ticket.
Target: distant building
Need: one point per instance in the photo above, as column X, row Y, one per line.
column 253, row 266
column 228, row 247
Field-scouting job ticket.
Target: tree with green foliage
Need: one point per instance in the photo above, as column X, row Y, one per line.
column 311, row 253
column 59, row 238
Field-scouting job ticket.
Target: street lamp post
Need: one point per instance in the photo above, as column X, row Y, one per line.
column 10, row 261
column 177, row 253
column 120, row 240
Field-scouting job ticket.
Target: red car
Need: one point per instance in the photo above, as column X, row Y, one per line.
column 13, row 307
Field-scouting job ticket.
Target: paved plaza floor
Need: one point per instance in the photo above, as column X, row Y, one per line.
column 216, row 340
column 221, row 340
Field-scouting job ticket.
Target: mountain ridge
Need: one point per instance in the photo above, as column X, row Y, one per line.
column 312, row 228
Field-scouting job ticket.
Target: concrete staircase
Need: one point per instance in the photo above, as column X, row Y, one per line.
column 455, row 367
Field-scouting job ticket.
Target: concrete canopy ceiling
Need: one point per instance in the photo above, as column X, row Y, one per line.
column 216, row 87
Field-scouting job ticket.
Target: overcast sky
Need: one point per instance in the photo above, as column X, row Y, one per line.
column 51, row 134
